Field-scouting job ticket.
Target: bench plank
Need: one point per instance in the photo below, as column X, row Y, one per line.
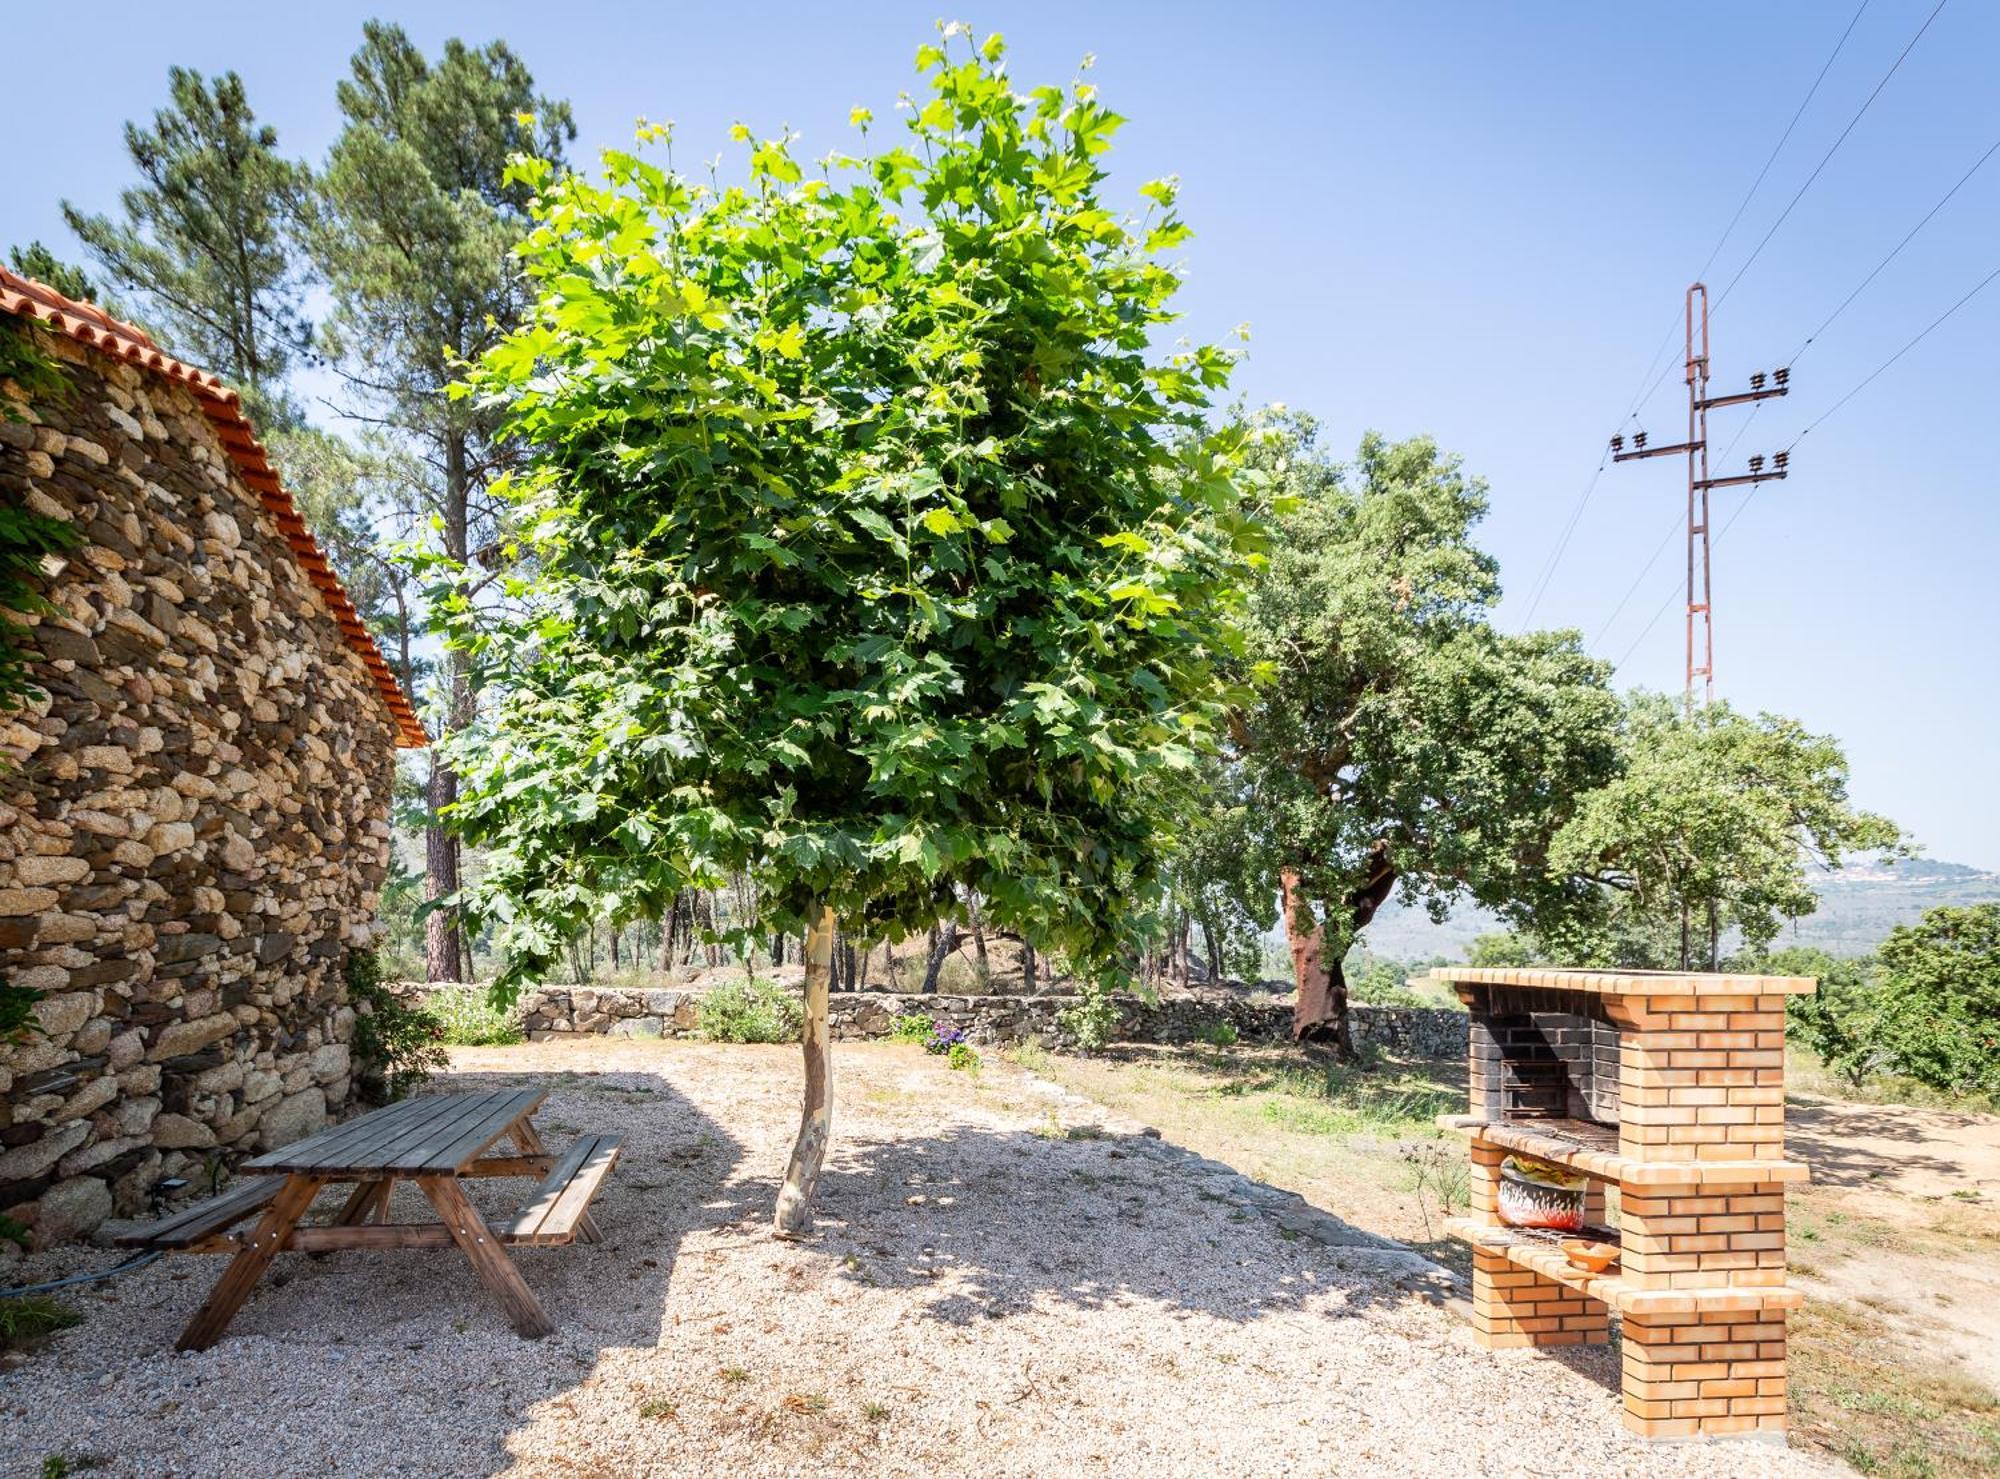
column 566, row 1196
column 192, row 1224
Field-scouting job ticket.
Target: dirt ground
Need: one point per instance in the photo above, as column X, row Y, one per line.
column 1903, row 1217
column 1007, row 1278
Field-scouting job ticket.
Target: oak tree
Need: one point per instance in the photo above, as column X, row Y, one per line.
column 1403, row 744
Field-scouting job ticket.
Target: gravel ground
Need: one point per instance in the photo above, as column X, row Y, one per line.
column 1005, row 1280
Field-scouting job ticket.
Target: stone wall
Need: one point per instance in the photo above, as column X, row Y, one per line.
column 558, row 1011
column 193, row 820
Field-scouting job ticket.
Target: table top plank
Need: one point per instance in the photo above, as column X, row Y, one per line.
column 450, row 1152
column 456, row 1110
column 404, row 1136
column 376, row 1132
column 335, row 1146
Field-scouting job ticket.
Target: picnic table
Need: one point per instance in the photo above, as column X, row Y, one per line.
column 436, row 1142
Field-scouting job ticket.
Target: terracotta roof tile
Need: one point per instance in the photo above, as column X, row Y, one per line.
column 88, row 324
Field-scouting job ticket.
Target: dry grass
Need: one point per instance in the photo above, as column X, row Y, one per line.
column 1861, row 1392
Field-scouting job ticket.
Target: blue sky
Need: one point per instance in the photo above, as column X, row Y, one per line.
column 1471, row 220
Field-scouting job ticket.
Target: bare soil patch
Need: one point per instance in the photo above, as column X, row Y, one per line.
column 1007, row 1279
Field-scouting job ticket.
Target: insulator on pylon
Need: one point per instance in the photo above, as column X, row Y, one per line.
column 1781, row 376
column 1757, row 381
column 1781, row 459
column 1757, row 462
column 1618, row 444
column 1638, row 439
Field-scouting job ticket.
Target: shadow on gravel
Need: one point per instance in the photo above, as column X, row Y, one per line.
column 1140, row 1221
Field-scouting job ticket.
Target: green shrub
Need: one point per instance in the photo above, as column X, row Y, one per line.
column 1939, row 1015
column 17, row 1012
column 910, row 1027
column 30, row 1316
column 396, row 1045
column 467, row 1018
column 1217, row 1034
column 1091, row 1020
column 753, row 1011
column 961, row 1056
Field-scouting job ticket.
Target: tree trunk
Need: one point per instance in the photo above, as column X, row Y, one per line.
column 615, row 962
column 1028, row 982
column 777, row 950
column 1320, row 1015
column 978, row 937
column 794, row 1214
column 947, row 942
column 443, row 958
column 1212, row 949
column 444, row 952
column 1181, row 932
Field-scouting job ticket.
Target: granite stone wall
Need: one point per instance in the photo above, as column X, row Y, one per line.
column 193, row 818
column 554, row 1012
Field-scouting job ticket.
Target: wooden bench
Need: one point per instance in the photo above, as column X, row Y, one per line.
column 560, row 1212
column 192, row 1226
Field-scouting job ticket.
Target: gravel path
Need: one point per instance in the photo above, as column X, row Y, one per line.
column 1005, row 1280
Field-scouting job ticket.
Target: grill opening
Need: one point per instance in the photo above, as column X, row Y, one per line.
column 1544, row 1055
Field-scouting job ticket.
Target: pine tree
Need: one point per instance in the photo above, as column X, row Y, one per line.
column 413, row 224
column 204, row 242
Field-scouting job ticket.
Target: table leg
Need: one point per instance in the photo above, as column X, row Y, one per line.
column 527, row 1139
column 248, row 1266
column 489, row 1260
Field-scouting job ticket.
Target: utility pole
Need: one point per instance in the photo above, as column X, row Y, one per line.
column 1700, row 602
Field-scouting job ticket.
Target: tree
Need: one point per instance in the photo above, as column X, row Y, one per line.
column 204, row 241
column 37, row 261
column 1402, row 742
column 875, row 554
column 1939, row 1013
column 1708, row 826
column 413, row 227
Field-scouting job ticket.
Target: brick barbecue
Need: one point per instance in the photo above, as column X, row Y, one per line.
column 1668, row 1087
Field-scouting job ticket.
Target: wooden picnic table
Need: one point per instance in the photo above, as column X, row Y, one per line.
column 434, row 1141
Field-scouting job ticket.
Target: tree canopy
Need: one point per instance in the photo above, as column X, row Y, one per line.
column 1403, row 742
column 205, row 237
column 1710, row 825
column 875, row 552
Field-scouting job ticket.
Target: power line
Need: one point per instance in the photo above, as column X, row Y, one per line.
column 1859, row 113
column 1943, row 201
column 1583, row 502
column 1868, row 380
column 1749, row 194
column 1665, row 540
column 1922, row 334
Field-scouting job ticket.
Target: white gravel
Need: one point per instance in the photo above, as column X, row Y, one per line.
column 986, row 1293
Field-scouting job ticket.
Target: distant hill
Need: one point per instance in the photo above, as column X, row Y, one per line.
column 1858, row 906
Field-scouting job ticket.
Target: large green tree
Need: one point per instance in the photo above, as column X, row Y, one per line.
column 413, row 230
column 1709, row 826
column 878, row 556
column 204, row 241
column 1402, row 742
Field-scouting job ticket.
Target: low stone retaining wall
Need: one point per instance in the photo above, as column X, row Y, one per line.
column 558, row 1011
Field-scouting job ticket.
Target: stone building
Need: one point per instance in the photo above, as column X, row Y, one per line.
column 194, row 814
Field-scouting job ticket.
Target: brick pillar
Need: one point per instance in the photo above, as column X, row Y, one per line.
column 1514, row 1307
column 1720, row 1374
